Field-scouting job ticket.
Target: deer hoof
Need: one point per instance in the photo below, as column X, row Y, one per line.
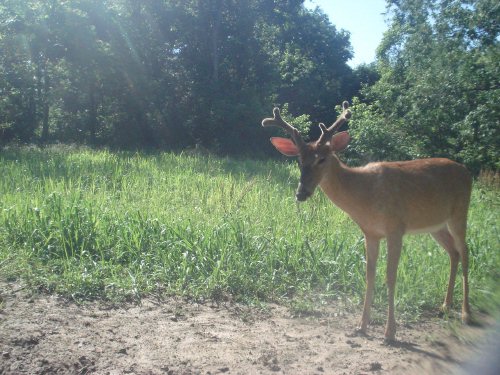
column 466, row 318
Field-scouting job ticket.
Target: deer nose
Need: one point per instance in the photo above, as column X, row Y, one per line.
column 302, row 194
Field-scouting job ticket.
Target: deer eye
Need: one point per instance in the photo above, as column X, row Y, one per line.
column 321, row 160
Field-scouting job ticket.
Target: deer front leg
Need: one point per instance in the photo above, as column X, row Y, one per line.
column 394, row 244
column 372, row 249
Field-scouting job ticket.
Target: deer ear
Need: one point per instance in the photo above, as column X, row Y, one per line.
column 285, row 146
column 340, row 141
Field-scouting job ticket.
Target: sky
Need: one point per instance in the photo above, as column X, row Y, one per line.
column 362, row 18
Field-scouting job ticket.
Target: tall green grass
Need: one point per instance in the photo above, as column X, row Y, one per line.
column 118, row 225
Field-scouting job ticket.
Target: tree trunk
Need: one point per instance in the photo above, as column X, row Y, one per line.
column 92, row 120
column 45, row 115
column 215, row 28
column 46, row 104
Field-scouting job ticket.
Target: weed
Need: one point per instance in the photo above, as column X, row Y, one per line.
column 117, row 225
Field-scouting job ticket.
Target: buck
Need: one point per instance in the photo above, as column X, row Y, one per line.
column 386, row 200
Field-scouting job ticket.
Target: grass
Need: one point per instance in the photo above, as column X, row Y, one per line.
column 117, row 225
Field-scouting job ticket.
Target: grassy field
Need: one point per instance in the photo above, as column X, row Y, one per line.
column 98, row 224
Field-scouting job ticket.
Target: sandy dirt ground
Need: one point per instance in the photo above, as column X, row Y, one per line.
column 48, row 335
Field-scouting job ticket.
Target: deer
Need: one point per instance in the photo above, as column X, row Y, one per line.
column 387, row 200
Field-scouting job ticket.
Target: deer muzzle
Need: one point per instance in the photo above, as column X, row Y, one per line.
column 302, row 193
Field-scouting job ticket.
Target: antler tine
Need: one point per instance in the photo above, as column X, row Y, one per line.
column 344, row 116
column 326, row 133
column 278, row 121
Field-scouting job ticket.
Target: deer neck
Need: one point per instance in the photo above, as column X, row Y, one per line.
column 345, row 186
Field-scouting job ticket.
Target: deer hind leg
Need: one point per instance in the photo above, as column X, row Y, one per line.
column 457, row 229
column 372, row 250
column 394, row 244
column 445, row 239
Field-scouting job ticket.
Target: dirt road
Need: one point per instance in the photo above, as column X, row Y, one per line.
column 48, row 335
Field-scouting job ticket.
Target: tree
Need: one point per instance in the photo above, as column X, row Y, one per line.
column 27, row 50
column 311, row 56
column 165, row 73
column 439, row 84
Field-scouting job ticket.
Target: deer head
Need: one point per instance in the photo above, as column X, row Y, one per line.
column 315, row 158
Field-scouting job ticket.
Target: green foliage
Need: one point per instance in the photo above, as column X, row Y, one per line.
column 167, row 74
column 310, row 54
column 374, row 138
column 439, row 86
column 177, row 74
